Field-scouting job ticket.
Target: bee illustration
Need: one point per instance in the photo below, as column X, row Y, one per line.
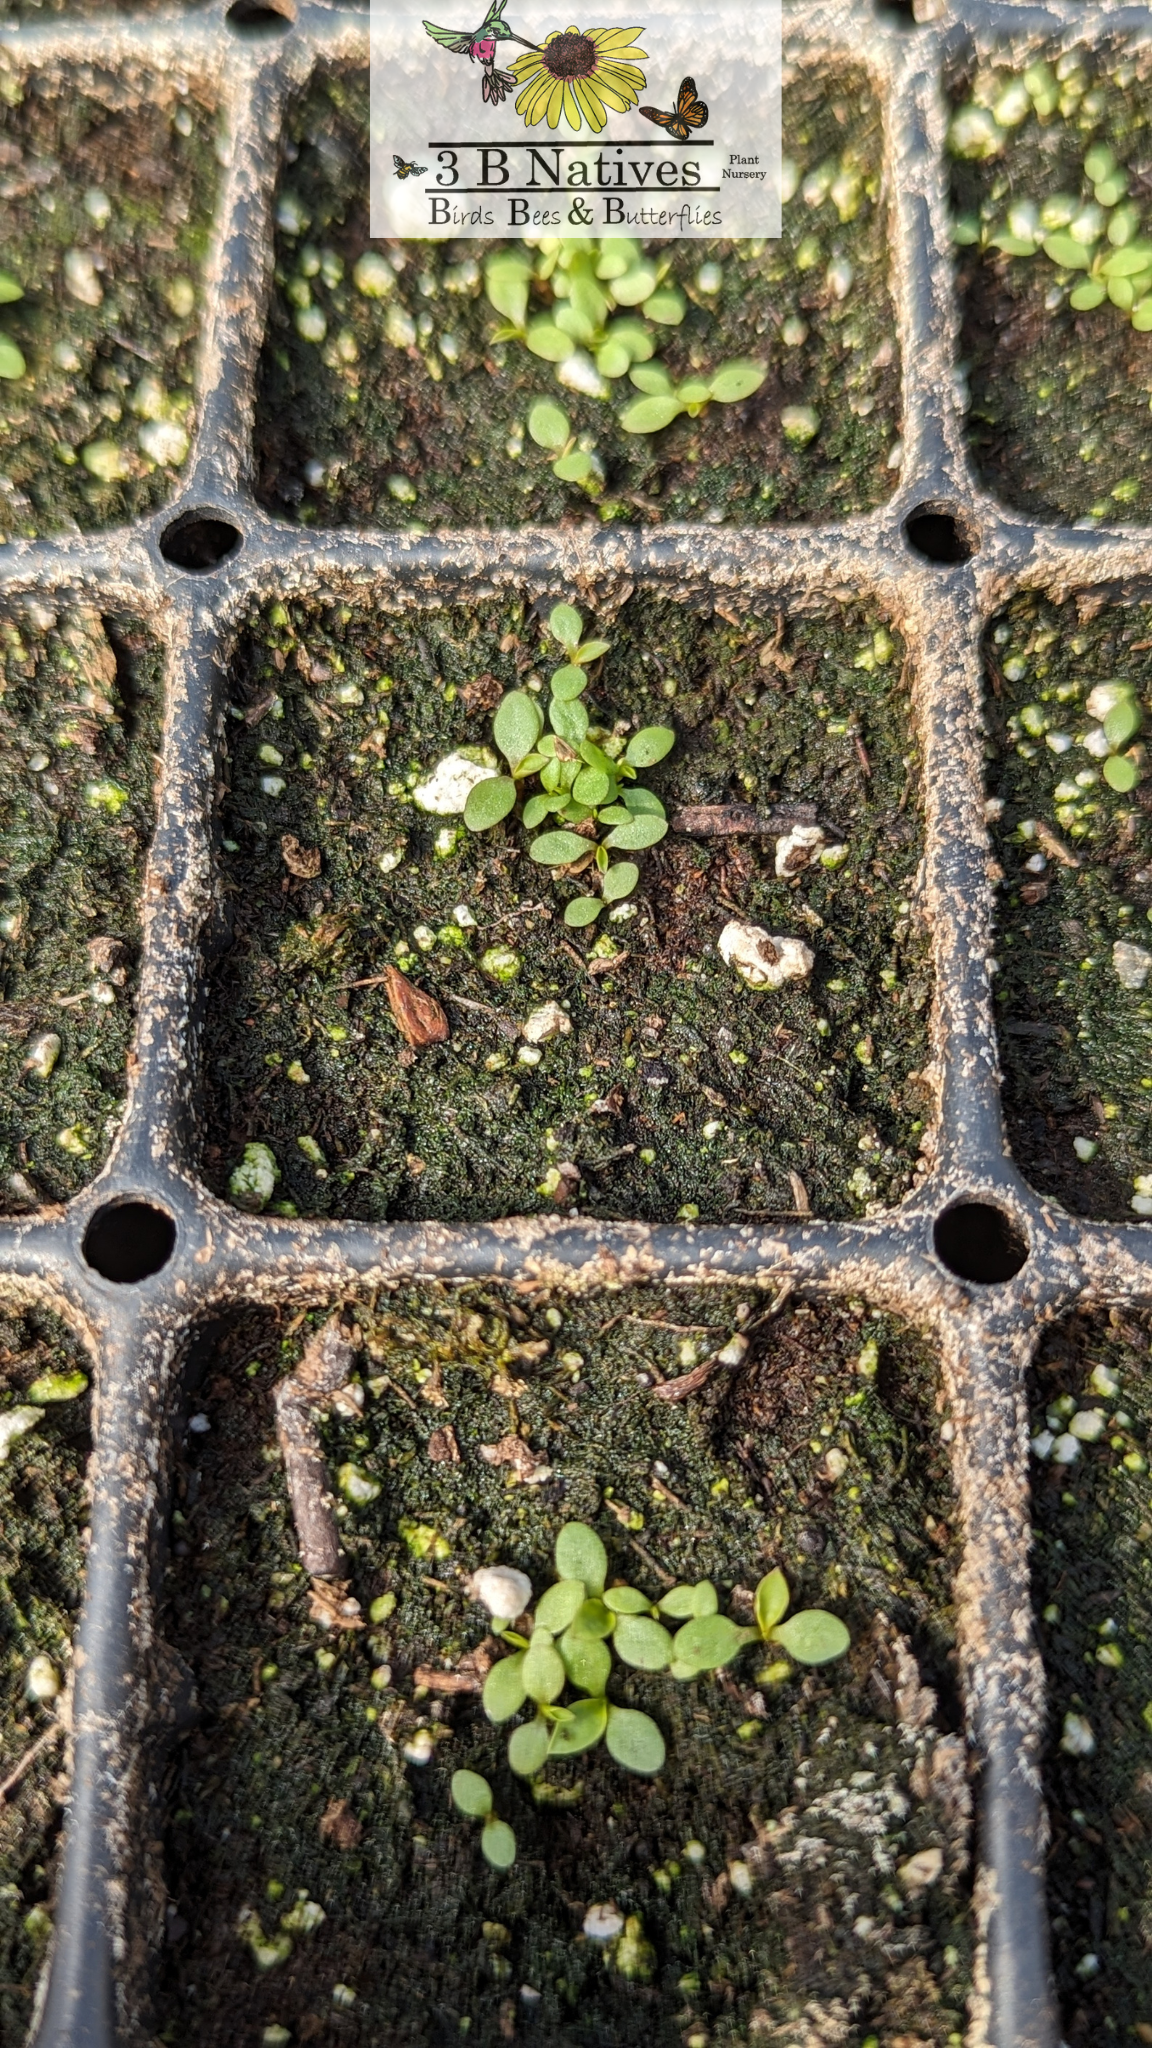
column 690, row 112
column 404, row 170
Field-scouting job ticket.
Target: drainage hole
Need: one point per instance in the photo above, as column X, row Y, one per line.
column 260, row 17
column 977, row 1241
column 199, row 541
column 939, row 535
column 127, row 1241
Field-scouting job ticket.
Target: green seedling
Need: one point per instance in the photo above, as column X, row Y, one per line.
column 663, row 401
column 578, row 778
column 12, row 364
column 472, row 1795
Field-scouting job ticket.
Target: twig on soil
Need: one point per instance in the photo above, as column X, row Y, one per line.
column 726, row 821
column 324, row 1366
column 665, row 1578
column 29, row 1757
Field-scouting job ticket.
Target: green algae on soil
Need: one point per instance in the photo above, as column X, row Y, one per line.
column 676, row 1087
column 1058, row 416
column 43, row 1522
column 824, row 1786
column 429, row 426
column 1075, row 1043
column 80, row 716
column 1092, row 1591
column 108, row 184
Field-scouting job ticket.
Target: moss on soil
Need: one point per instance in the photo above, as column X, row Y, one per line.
column 99, row 374
column 821, row 1783
column 1075, row 1045
column 1092, row 1572
column 1058, row 418
column 86, row 697
column 43, row 1517
column 668, row 1052
column 332, row 431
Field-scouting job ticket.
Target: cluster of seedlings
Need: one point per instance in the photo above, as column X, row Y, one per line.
column 473, row 383
column 713, row 1817
column 411, row 1020
column 1051, row 217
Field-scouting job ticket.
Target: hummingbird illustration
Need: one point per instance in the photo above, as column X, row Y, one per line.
column 480, row 44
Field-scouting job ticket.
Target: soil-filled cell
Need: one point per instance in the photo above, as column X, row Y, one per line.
column 797, row 1840
column 80, row 715
column 1068, row 689
column 43, row 1523
column 404, row 384
column 1051, row 215
column 414, row 1019
column 1092, row 1591
column 108, row 186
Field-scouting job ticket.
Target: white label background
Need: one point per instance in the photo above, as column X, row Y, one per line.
column 427, row 108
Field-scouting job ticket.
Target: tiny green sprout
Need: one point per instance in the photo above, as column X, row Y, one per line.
column 472, row 1795
column 663, row 401
column 12, row 364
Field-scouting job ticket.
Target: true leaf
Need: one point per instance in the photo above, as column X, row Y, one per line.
column 538, row 808
column 517, row 725
column 591, row 787
column 635, row 286
column 626, row 1600
column 543, row 1668
column 531, row 764
column 636, row 834
column 620, row 880
column 498, row 1844
column 472, row 1794
column 556, row 849
column 1069, row 254
column 595, row 757
column 734, row 381
column 667, row 307
column 565, row 625
column 707, row 1642
column 504, row 1689
column 489, row 802
column 582, row 911
column 560, row 1604
column 574, row 467
column 704, row 1600
column 648, row 415
column 642, row 1642
column 812, row 1636
column 12, row 364
column 548, row 424
column 546, row 340
column 587, row 1661
column 678, row 1604
column 528, row 1747
column 651, row 378
column 580, row 1554
column 583, row 1730
column 591, row 650
column 635, row 1741
column 506, row 280
column 569, row 682
column 771, row 1601
column 649, row 745
column 568, row 719
column 593, row 1621
column 643, row 801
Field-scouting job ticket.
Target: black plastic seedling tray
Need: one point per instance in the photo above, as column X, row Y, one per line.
column 145, row 1256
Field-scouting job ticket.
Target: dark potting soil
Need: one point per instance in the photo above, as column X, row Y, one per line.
column 80, row 717
column 406, row 409
column 1092, row 1590
column 1058, row 413
column 43, row 1524
column 676, row 1089
column 1075, row 1042
column 769, row 1864
column 108, row 184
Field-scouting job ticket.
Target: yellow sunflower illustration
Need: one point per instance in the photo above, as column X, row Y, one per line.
column 580, row 74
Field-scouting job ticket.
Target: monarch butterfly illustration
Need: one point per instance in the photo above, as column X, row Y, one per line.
column 404, row 170
column 690, row 112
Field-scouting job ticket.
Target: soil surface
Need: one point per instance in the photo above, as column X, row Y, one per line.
column 80, row 715
column 1075, row 1043
column 108, row 187
column 824, row 1786
column 676, row 1089
column 428, row 428
column 43, row 1522
column 1092, row 1589
column 1058, row 416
